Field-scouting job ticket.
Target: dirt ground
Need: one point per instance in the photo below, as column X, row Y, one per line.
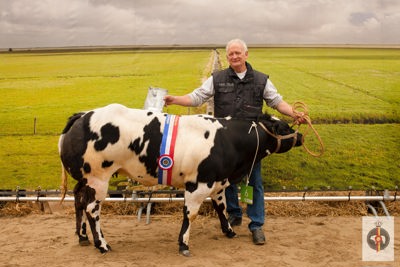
column 47, row 239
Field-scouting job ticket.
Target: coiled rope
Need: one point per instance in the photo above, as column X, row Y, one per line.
column 300, row 110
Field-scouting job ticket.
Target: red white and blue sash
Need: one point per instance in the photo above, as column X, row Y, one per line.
column 166, row 159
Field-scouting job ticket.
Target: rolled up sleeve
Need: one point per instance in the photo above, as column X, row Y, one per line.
column 271, row 96
column 203, row 93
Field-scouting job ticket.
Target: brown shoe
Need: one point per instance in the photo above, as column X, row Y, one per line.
column 258, row 236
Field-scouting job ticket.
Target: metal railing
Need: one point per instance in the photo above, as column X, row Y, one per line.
column 146, row 198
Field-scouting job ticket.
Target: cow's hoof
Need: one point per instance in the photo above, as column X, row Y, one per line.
column 103, row 250
column 185, row 253
column 230, row 234
column 84, row 241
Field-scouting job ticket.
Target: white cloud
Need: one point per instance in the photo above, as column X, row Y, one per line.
column 26, row 23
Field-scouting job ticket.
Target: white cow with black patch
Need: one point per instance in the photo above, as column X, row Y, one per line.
column 209, row 154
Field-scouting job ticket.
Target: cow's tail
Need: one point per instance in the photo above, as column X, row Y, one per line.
column 64, row 175
column 64, row 183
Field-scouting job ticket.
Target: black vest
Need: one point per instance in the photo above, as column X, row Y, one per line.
column 239, row 98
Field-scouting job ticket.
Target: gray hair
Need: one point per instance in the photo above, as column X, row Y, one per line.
column 236, row 41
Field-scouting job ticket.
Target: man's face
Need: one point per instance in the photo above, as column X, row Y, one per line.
column 237, row 57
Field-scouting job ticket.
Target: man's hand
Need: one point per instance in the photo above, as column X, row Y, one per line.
column 299, row 118
column 169, row 100
column 183, row 100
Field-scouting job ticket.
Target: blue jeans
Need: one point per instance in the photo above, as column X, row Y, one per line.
column 255, row 211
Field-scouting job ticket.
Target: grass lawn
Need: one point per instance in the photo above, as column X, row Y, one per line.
column 343, row 89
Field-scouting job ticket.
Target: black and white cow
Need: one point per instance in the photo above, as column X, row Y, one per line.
column 210, row 153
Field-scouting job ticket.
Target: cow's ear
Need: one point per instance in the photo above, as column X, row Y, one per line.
column 271, row 125
column 280, row 127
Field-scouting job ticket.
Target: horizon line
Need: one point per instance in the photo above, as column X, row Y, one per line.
column 188, row 46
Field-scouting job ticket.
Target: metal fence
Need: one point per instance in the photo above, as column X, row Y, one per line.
column 147, row 198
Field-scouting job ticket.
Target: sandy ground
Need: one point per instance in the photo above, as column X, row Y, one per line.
column 49, row 240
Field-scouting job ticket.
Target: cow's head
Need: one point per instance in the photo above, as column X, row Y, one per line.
column 285, row 136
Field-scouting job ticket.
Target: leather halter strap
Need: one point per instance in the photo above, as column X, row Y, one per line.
column 279, row 138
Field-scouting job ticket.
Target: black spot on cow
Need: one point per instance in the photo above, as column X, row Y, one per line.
column 109, row 134
column 96, row 208
column 220, row 198
column 93, row 136
column 71, row 121
column 107, row 163
column 210, row 184
column 220, row 191
column 206, row 134
column 72, row 155
column 212, row 119
column 136, row 146
column 149, row 113
column 191, row 187
column 181, row 174
column 86, row 167
column 152, row 135
column 84, row 194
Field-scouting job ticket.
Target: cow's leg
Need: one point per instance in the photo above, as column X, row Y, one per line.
column 219, row 204
column 96, row 192
column 80, row 215
column 93, row 216
column 195, row 194
column 81, row 226
column 88, row 197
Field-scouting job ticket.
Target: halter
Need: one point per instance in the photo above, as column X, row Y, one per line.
column 279, row 138
column 300, row 115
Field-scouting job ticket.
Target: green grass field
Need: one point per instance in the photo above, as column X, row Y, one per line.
column 343, row 88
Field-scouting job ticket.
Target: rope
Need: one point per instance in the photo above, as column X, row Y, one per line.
column 300, row 111
column 253, row 125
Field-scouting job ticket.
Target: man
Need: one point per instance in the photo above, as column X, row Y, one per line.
column 239, row 91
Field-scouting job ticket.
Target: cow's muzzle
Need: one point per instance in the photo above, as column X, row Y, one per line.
column 299, row 139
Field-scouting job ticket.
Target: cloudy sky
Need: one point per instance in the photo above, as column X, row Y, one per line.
column 54, row 23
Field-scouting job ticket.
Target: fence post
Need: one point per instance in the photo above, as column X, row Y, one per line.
column 34, row 126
